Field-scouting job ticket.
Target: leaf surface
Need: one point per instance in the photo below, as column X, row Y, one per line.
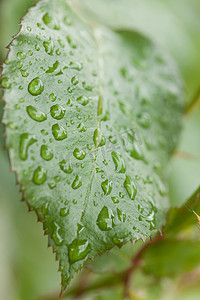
column 92, row 117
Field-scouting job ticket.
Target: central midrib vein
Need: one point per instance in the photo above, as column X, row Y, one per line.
column 97, row 37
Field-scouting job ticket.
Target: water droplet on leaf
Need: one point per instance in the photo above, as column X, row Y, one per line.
column 106, row 187
column 39, row 176
column 78, row 250
column 79, row 154
column 57, row 112
column 59, row 132
column 26, row 140
column 36, row 114
column 77, row 182
column 130, row 187
column 105, row 219
column 36, row 86
column 46, row 152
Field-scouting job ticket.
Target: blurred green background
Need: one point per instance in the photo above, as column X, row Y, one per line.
column 27, row 268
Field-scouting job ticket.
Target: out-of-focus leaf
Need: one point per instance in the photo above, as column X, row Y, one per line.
column 171, row 257
column 179, row 219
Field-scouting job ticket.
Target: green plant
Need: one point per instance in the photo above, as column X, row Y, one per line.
column 92, row 118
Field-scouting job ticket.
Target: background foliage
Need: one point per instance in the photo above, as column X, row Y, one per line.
column 28, row 269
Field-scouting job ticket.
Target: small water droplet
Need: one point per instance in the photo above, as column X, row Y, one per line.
column 130, row 187
column 77, row 182
column 79, row 154
column 37, row 48
column 59, row 132
column 36, row 114
column 67, row 20
column 46, row 152
column 36, row 86
column 19, row 64
column 83, row 100
column 57, row 112
column 121, row 215
column 65, row 167
column 115, row 199
column 56, row 235
column 39, row 175
column 44, row 132
column 105, row 219
column 87, row 87
column 50, row 22
column 24, row 73
column 5, row 83
column 12, row 125
column 71, row 43
column 148, row 214
column 144, row 120
column 78, row 250
column 64, row 211
column 98, row 138
column 52, row 97
column 21, row 55
column 49, row 47
column 119, row 162
column 74, row 80
column 26, row 140
column 81, row 127
column 106, row 187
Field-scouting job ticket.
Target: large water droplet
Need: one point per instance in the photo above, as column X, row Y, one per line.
column 49, row 47
column 46, row 152
column 57, row 112
column 77, row 182
column 36, row 86
column 79, row 154
column 50, row 22
column 56, row 235
column 106, row 187
column 39, row 176
column 36, row 114
column 119, row 162
column 130, row 187
column 105, row 219
column 59, row 132
column 26, row 140
column 78, row 250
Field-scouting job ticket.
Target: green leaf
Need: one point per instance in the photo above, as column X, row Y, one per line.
column 92, row 117
column 170, row 257
column 180, row 218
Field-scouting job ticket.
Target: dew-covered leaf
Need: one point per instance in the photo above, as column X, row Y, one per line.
column 92, row 117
